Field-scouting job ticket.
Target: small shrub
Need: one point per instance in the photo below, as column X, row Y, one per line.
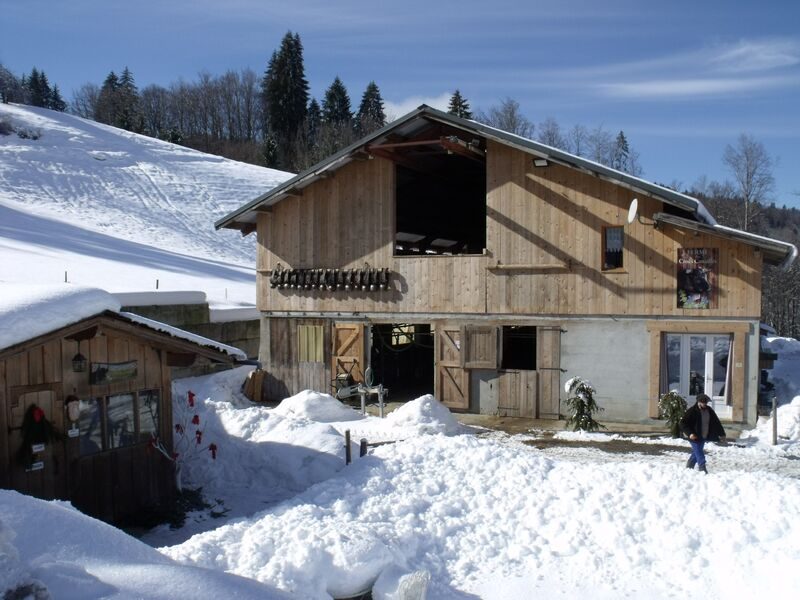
column 582, row 405
column 29, row 133
column 672, row 407
column 6, row 128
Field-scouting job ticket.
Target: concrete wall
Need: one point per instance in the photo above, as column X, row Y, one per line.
column 614, row 355
column 196, row 319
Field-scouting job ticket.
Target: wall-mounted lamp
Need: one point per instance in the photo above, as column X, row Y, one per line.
column 540, row 162
column 79, row 363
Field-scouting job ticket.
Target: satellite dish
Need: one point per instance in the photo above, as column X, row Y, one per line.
column 633, row 210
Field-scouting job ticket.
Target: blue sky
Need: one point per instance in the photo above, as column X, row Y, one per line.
column 682, row 79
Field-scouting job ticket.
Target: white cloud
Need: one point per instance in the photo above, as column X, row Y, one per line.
column 395, row 110
column 756, row 55
column 674, row 88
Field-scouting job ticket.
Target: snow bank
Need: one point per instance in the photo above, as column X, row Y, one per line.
column 784, row 374
column 316, row 406
column 788, row 426
column 28, row 310
column 79, row 558
column 425, row 414
column 476, row 513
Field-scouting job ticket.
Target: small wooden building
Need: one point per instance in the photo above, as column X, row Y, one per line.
column 96, row 389
column 452, row 257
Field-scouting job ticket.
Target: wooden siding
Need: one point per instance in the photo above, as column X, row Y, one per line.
column 544, row 249
column 285, row 376
column 112, row 484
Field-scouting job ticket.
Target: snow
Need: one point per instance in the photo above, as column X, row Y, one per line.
column 784, row 373
column 30, row 310
column 101, row 204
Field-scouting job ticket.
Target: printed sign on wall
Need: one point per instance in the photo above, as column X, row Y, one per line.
column 698, row 271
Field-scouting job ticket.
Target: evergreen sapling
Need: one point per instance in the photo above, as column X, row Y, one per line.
column 582, row 405
column 672, row 406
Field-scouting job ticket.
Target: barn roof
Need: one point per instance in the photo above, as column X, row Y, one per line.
column 244, row 218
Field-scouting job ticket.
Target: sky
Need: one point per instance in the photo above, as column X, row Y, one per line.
column 682, row 79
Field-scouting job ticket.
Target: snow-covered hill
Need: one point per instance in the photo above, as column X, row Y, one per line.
column 119, row 210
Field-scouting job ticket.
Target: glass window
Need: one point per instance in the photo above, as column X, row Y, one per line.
column 148, row 414
column 612, row 248
column 120, row 428
column 90, row 425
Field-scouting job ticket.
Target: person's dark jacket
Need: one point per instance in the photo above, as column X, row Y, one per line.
column 692, row 423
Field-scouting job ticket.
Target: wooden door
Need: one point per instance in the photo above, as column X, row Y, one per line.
column 43, row 472
column 348, row 351
column 548, row 366
column 452, row 380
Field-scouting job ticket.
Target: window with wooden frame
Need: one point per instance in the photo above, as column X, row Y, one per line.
column 613, row 240
column 118, row 420
column 309, row 343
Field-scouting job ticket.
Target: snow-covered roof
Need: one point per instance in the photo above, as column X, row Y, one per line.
column 29, row 310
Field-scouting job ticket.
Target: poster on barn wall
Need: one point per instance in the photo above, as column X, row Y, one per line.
column 697, row 277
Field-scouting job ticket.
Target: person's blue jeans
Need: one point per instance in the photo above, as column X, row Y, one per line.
column 698, row 456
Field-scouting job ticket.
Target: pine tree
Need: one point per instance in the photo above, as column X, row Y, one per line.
column 621, row 153
column 313, row 122
column 336, row 105
column 370, row 113
column 107, row 107
column 56, row 102
column 38, row 89
column 672, row 407
column 284, row 91
column 459, row 106
column 582, row 405
column 129, row 114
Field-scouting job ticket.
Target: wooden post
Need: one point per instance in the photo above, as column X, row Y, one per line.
column 775, row 420
column 363, row 448
column 347, row 458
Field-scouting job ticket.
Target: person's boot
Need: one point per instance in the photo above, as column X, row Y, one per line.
column 691, row 462
column 703, row 469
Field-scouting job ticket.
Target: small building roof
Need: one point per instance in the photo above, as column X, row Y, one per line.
column 244, row 218
column 28, row 311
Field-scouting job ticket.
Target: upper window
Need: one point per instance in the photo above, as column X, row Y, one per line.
column 612, row 248
column 519, row 347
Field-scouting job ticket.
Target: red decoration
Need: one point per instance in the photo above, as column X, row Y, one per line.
column 213, row 448
column 38, row 414
column 178, row 428
column 191, row 398
column 196, row 420
column 199, row 435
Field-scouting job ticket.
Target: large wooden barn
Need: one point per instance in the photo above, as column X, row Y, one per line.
column 84, row 389
column 454, row 258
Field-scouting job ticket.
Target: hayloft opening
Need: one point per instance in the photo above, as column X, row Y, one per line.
column 440, row 192
column 402, row 359
column 519, row 347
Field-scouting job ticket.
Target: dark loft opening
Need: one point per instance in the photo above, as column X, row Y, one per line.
column 402, row 359
column 440, row 192
column 519, row 347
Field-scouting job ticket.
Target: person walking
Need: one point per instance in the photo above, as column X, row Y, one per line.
column 701, row 424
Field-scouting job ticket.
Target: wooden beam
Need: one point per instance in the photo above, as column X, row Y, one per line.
column 401, row 160
column 460, row 147
column 433, row 142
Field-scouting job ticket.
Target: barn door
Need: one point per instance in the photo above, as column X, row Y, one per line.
column 348, row 351
column 43, row 472
column 452, row 380
column 548, row 365
column 480, row 347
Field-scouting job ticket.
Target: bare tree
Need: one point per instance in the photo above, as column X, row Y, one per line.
column 578, row 140
column 507, row 117
column 751, row 167
column 549, row 132
column 84, row 100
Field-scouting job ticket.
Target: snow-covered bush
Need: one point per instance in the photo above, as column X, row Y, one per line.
column 672, row 406
column 582, row 405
